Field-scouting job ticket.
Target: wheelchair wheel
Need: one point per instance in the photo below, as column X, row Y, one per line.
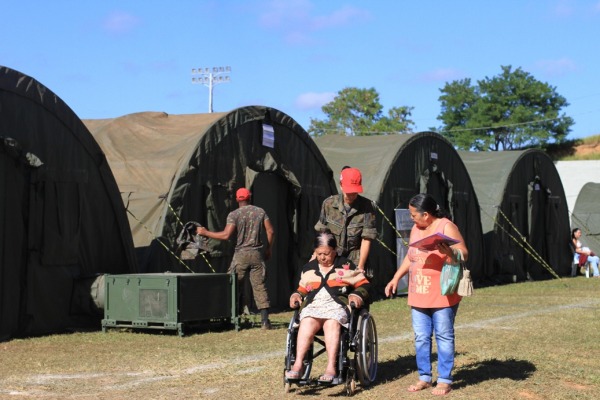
column 366, row 351
column 290, row 345
column 350, row 385
column 290, row 356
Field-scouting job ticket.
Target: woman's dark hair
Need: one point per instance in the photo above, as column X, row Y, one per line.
column 325, row 238
column 424, row 202
column 573, row 232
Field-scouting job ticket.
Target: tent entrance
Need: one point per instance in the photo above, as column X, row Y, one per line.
column 274, row 194
column 517, row 220
column 537, row 219
column 14, row 184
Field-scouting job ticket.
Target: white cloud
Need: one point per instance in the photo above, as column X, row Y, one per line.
column 120, row 22
column 556, row 67
column 295, row 19
column 442, row 75
column 312, row 100
column 298, row 38
column 281, row 13
column 563, row 8
column 345, row 16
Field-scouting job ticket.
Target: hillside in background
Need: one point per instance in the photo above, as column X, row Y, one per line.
column 589, row 149
column 578, row 149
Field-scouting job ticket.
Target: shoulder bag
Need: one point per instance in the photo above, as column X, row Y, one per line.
column 451, row 275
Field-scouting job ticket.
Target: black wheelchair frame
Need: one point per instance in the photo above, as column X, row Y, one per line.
column 360, row 338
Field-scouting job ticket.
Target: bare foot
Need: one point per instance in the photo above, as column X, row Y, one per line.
column 294, row 372
column 441, row 389
column 420, row 385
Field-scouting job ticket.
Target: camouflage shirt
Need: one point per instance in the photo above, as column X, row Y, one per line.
column 248, row 221
column 349, row 224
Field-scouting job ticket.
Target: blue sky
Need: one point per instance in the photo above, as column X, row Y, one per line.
column 109, row 58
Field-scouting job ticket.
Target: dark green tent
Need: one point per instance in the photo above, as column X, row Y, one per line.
column 172, row 169
column 524, row 214
column 586, row 215
column 62, row 221
column 394, row 169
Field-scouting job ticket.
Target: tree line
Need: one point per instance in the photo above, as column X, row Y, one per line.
column 509, row 111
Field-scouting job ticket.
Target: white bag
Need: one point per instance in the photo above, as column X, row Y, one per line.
column 465, row 285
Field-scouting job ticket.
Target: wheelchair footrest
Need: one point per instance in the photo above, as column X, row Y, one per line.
column 334, row 381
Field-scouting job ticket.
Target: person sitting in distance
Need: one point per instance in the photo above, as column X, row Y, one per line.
column 584, row 254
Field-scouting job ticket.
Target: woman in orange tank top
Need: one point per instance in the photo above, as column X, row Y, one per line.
column 430, row 310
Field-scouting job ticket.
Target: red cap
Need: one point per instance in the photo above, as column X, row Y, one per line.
column 351, row 181
column 242, row 194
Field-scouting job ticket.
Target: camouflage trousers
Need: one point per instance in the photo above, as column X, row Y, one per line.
column 252, row 263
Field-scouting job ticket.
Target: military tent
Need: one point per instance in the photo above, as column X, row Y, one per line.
column 524, row 214
column 394, row 169
column 574, row 174
column 62, row 218
column 173, row 169
column 586, row 215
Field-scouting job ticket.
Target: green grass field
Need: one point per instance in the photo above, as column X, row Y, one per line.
column 534, row 340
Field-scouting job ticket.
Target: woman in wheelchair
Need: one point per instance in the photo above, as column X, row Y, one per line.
column 328, row 284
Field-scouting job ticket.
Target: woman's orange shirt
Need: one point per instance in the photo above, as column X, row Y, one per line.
column 424, row 290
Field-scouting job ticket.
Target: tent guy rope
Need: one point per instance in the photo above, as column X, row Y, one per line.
column 182, row 225
column 159, row 241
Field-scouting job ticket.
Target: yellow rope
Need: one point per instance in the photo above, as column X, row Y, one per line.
column 531, row 252
column 386, row 247
column 158, row 240
column 392, row 225
column 182, row 225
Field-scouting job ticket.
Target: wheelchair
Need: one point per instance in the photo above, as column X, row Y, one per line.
column 356, row 358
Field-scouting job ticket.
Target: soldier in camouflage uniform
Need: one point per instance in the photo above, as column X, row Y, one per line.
column 351, row 219
column 247, row 221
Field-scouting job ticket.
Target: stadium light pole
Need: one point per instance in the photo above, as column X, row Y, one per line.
column 210, row 77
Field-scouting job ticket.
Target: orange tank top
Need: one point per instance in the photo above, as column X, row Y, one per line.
column 424, row 289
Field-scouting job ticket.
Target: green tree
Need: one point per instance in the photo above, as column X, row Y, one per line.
column 358, row 112
column 510, row 111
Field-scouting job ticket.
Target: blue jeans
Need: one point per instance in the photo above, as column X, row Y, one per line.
column 594, row 260
column 425, row 321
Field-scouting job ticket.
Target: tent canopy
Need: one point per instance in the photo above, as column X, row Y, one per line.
column 574, row 174
column 394, row 169
column 62, row 219
column 521, row 196
column 586, row 215
column 172, row 169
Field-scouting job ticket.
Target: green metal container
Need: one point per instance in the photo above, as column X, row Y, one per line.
column 171, row 301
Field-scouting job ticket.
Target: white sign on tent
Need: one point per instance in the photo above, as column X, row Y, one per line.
column 403, row 225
